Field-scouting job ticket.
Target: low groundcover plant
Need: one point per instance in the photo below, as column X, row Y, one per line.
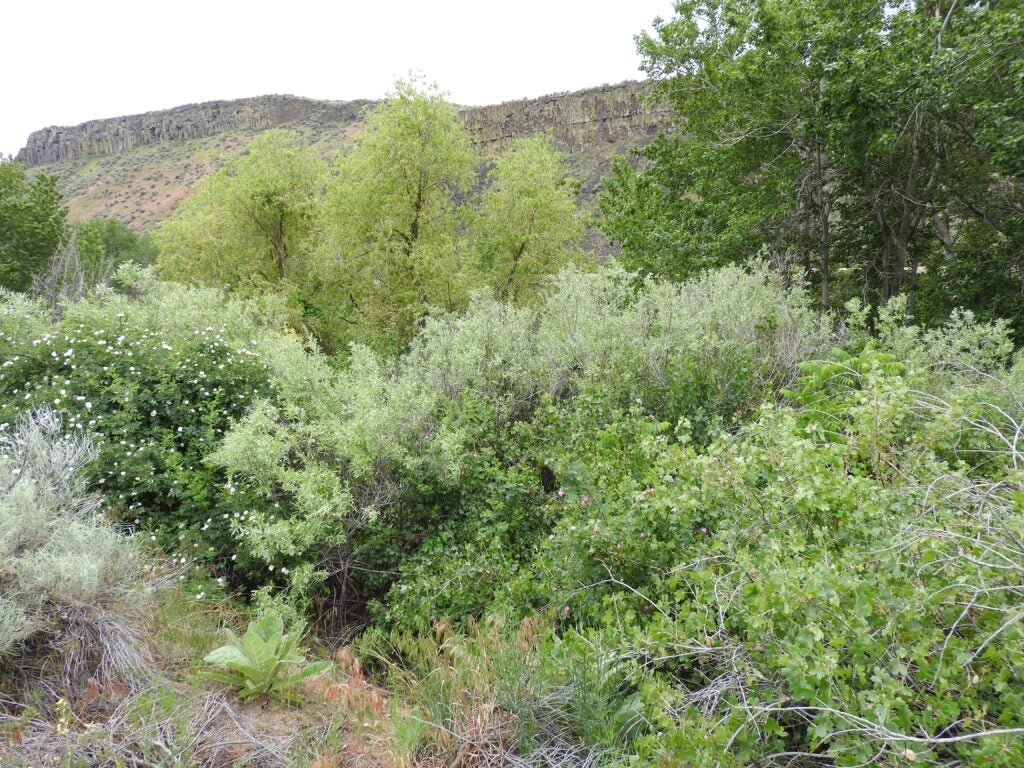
column 257, row 662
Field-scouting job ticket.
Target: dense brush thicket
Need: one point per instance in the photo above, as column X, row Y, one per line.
column 639, row 523
column 580, row 516
column 835, row 581
column 393, row 469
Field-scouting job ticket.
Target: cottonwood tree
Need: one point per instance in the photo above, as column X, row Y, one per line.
column 747, row 165
column 872, row 143
column 32, row 221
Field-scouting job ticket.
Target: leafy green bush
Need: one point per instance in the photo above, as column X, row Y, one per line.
column 389, row 465
column 821, row 584
column 155, row 379
column 835, row 582
column 257, row 662
column 31, row 224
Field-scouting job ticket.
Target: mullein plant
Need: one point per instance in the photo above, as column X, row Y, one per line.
column 258, row 662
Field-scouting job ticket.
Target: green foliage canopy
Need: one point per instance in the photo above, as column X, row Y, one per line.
column 105, row 244
column 247, row 224
column 32, row 221
column 528, row 221
column 390, row 222
column 872, row 145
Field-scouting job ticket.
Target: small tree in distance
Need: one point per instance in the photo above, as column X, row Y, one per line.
column 31, row 224
column 528, row 224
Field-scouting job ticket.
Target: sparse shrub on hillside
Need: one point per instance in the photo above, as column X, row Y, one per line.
column 68, row 580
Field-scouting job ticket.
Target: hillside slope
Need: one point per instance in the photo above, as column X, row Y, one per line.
column 137, row 168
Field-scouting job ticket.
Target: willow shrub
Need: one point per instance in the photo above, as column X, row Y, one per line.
column 386, row 469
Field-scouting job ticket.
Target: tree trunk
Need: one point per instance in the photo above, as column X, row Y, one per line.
column 945, row 236
column 280, row 249
column 825, row 249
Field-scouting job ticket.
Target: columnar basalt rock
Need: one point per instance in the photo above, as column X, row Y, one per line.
column 137, row 168
column 120, row 134
column 574, row 120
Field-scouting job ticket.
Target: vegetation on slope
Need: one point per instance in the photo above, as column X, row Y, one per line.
column 678, row 512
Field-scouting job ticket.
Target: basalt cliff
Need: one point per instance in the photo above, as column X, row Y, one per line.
column 136, row 168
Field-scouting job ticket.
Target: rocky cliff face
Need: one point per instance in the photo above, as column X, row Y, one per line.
column 574, row 120
column 117, row 135
column 137, row 168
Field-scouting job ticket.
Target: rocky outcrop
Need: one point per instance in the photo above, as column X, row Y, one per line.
column 574, row 121
column 137, row 169
column 117, row 135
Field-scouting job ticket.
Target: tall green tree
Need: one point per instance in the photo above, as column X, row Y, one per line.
column 32, row 221
column 248, row 224
column 390, row 247
column 874, row 144
column 915, row 151
column 746, row 167
column 528, row 223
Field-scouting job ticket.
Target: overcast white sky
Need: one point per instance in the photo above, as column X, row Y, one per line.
column 68, row 61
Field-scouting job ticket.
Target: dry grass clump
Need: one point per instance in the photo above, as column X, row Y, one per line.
column 477, row 699
column 153, row 729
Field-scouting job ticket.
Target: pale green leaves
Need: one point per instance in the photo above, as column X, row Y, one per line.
column 247, row 225
column 390, row 218
column 258, row 662
column 528, row 226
